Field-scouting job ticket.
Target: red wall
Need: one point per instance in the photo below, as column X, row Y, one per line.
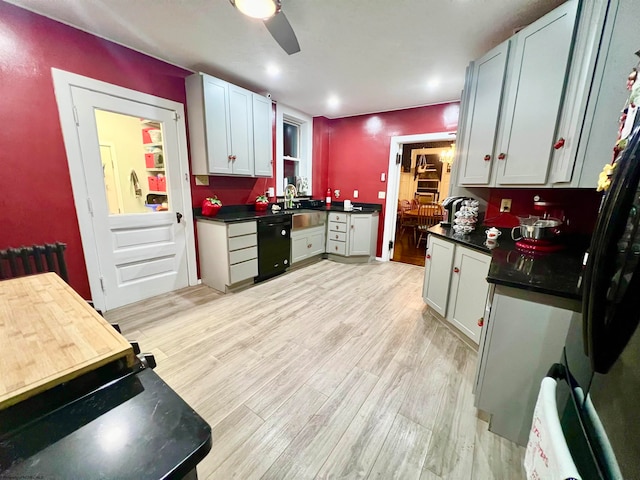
column 358, row 148
column 36, row 204
column 580, row 206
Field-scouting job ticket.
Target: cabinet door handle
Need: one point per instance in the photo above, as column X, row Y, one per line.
column 559, row 144
column 428, row 256
column 481, row 322
column 502, row 156
column 351, row 227
column 230, row 157
column 309, row 246
column 456, row 270
column 487, row 158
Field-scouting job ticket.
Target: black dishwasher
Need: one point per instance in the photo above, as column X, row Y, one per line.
column 274, row 246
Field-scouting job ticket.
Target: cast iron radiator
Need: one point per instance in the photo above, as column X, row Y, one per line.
column 16, row 262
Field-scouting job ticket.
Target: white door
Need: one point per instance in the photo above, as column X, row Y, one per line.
column 437, row 273
column 141, row 249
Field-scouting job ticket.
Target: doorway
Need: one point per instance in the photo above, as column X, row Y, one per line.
column 129, row 172
column 429, row 184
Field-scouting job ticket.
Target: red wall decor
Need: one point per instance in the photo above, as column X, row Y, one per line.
column 580, row 206
column 358, row 149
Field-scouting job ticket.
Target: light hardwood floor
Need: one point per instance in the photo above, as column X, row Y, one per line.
column 330, row 371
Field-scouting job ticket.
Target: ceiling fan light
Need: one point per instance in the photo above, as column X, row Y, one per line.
column 257, row 8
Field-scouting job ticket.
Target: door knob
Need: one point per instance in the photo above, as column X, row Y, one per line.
column 428, row 256
column 456, row 270
column 481, row 322
column 178, row 216
column 487, row 158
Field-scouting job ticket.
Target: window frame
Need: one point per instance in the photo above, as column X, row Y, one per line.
column 304, row 123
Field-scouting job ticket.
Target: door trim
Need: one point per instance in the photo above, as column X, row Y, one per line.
column 62, row 83
column 393, row 182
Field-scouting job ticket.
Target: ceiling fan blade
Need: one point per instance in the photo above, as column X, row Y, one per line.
column 280, row 29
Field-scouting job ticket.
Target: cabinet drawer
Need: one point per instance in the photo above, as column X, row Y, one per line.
column 245, row 241
column 338, row 217
column 244, row 228
column 338, row 236
column 339, row 248
column 337, row 227
column 243, row 271
column 243, row 255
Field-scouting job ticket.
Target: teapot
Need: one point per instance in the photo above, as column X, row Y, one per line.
column 493, row 233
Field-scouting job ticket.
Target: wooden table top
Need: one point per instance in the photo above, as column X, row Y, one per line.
column 415, row 212
column 49, row 335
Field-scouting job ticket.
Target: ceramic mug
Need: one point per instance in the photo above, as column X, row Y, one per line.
column 493, row 233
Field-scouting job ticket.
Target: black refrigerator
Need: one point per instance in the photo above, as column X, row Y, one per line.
column 599, row 379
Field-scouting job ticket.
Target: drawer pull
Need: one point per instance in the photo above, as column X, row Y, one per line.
column 456, row 270
column 481, row 322
column 309, row 246
column 487, row 158
column 336, row 248
column 337, row 237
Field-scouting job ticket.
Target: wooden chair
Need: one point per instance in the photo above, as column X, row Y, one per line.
column 405, row 221
column 428, row 216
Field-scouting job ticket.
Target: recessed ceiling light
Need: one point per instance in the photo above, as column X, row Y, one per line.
column 433, row 83
column 273, row 70
column 333, row 102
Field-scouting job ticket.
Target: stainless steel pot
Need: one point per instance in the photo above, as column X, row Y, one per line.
column 541, row 230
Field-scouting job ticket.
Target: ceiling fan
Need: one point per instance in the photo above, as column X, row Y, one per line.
column 270, row 11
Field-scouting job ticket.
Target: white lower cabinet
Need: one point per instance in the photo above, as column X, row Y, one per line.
column 352, row 234
column 228, row 253
column 524, row 335
column 307, row 243
column 455, row 284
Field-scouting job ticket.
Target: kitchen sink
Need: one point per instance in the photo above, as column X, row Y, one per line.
column 307, row 219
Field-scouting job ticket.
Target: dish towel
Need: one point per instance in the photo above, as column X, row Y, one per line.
column 547, row 456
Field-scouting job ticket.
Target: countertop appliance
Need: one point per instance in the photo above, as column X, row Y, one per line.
column 599, row 377
column 451, row 205
column 274, row 246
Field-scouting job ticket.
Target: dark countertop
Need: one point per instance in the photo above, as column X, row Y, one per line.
column 557, row 274
column 136, row 427
column 242, row 213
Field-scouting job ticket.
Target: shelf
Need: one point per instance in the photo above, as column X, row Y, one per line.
column 150, row 122
column 158, row 193
column 158, row 144
column 159, row 169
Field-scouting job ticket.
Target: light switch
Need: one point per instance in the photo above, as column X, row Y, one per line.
column 355, row 194
column 382, row 195
column 383, row 177
column 270, row 192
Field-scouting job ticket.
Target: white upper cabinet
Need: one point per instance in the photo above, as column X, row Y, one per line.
column 262, row 136
column 535, row 89
column 229, row 128
column 515, row 96
column 481, row 123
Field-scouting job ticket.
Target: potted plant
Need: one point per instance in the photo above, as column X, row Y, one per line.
column 210, row 206
column 262, row 202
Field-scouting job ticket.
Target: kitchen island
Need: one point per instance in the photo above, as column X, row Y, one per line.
column 524, row 311
column 75, row 402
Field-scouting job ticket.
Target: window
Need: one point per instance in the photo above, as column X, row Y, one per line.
column 293, row 150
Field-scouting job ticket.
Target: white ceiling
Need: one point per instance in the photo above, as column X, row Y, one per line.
column 374, row 55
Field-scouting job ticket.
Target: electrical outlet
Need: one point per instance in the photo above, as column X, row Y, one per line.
column 505, row 205
column 382, row 195
column 355, row 194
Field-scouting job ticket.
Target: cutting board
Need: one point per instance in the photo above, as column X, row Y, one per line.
column 49, row 335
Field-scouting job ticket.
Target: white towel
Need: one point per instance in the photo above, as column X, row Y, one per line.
column 547, row 456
